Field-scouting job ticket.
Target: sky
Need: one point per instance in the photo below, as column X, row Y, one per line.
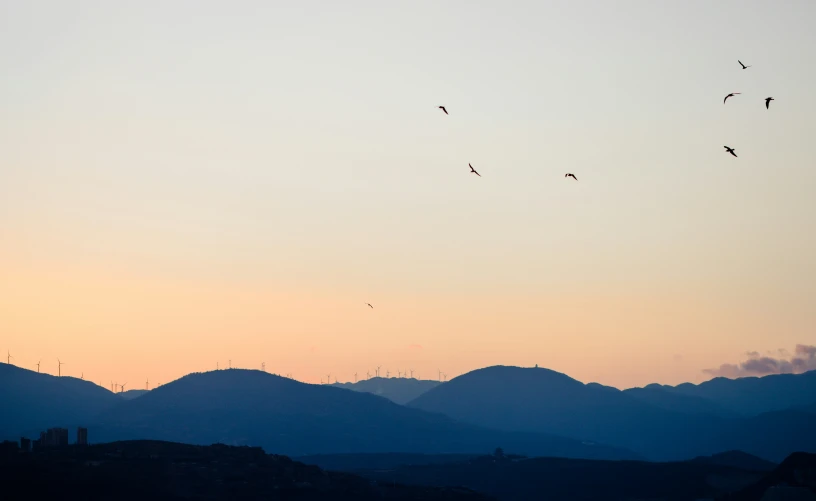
column 193, row 184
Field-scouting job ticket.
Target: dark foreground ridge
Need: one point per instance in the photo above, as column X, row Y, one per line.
column 514, row 478
column 139, row 470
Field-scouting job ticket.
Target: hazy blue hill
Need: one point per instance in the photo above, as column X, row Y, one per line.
column 755, row 395
column 540, row 400
column 399, row 390
column 678, row 402
column 31, row 402
column 737, row 459
column 284, row 416
column 131, row 394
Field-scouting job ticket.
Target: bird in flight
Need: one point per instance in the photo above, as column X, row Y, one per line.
column 443, row 109
column 474, row 170
column 730, row 95
column 743, row 66
column 369, row 305
column 730, row 150
column 569, row 174
column 768, row 102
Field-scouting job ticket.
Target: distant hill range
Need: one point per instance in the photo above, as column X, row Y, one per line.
column 752, row 395
column 399, row 390
column 659, row 423
column 535, row 412
column 243, row 407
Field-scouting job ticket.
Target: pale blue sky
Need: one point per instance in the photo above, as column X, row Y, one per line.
column 297, row 145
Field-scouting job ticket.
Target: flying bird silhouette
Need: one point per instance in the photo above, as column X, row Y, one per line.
column 443, row 109
column 768, row 102
column 730, row 95
column 369, row 305
column 474, row 170
column 743, row 66
column 730, row 150
column 569, row 174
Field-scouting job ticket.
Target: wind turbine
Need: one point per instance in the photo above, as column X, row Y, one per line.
column 8, row 357
column 368, row 375
column 59, row 368
column 355, row 377
column 82, row 377
column 328, row 379
column 387, row 373
column 38, row 366
column 123, row 388
column 440, row 375
column 378, row 371
column 147, row 384
column 263, row 366
column 412, row 373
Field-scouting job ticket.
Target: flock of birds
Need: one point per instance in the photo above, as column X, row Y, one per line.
column 728, row 149
column 768, row 100
column 473, row 171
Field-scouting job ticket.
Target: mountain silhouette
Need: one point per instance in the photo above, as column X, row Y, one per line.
column 399, row 390
column 31, row 402
column 541, row 400
column 663, row 398
column 755, row 395
column 243, row 407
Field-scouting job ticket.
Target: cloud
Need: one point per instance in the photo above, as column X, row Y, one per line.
column 804, row 360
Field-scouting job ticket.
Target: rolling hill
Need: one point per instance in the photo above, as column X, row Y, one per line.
column 541, row 400
column 242, row 407
column 754, row 395
column 31, row 402
column 399, row 390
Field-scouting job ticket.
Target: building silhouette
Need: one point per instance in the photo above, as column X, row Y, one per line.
column 82, row 436
column 25, row 444
column 56, row 437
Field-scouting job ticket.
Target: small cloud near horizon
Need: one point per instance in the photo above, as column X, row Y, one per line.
column 803, row 360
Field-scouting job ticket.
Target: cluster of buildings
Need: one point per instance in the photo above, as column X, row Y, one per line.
column 53, row 437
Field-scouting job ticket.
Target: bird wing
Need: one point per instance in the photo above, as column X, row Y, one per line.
column 740, row 63
column 732, row 152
